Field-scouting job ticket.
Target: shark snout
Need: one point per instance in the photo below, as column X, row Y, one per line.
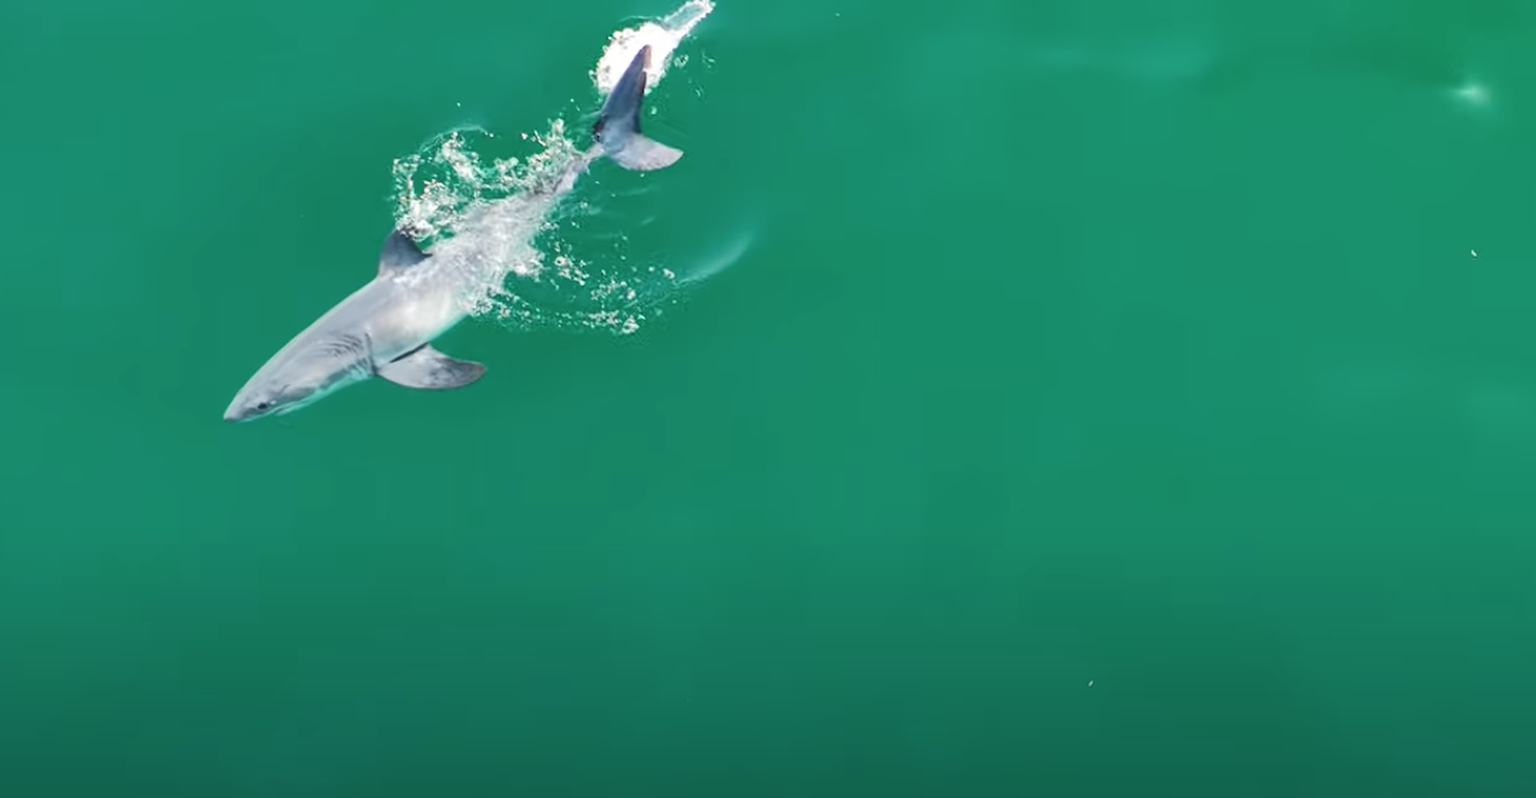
column 246, row 407
column 236, row 411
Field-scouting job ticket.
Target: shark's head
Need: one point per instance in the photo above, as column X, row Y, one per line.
column 292, row 380
column 268, row 399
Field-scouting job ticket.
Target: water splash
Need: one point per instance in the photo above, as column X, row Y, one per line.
column 663, row 35
column 438, row 185
column 540, row 264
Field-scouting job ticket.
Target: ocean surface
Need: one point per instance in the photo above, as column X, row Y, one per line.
column 998, row 399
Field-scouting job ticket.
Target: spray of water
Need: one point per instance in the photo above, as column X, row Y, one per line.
column 540, row 270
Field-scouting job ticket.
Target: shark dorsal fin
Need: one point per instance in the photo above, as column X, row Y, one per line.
column 399, row 253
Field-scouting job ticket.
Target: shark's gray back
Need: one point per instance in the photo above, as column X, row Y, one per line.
column 348, row 332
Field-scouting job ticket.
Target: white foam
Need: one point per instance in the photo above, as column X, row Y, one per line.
column 663, row 35
column 450, row 197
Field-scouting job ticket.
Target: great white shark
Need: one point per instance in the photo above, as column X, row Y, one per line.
column 386, row 328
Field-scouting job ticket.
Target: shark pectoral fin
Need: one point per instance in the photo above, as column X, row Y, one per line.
column 618, row 124
column 431, row 370
column 399, row 252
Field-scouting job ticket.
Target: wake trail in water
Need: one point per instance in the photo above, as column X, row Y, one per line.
column 497, row 217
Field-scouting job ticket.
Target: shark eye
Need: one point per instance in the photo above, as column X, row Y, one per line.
column 263, row 405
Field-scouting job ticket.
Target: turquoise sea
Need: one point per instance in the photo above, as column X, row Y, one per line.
column 1021, row 398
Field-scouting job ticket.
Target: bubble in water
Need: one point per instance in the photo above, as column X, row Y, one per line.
column 1472, row 92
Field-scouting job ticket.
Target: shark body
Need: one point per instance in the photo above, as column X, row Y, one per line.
column 386, row 327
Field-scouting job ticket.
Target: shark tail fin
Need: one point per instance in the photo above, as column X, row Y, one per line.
column 643, row 154
column 618, row 124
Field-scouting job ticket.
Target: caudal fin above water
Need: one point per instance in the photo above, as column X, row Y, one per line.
column 618, row 124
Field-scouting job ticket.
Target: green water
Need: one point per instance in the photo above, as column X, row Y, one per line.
column 1108, row 399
